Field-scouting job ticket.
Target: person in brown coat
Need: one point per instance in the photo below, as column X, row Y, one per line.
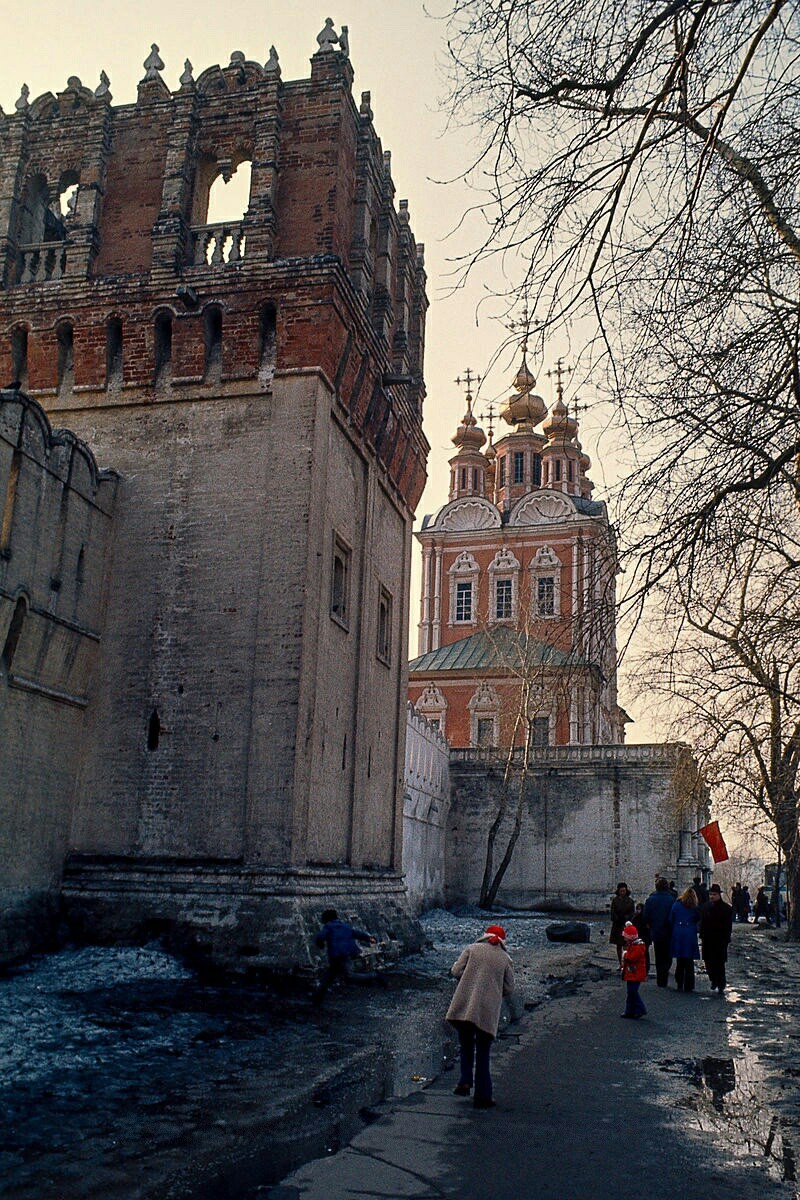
column 622, row 911
column 485, row 975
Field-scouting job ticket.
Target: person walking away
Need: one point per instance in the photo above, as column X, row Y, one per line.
column 657, row 909
column 684, row 918
column 746, row 905
column 341, row 942
column 736, row 900
column 700, row 890
column 485, row 975
column 634, row 970
column 716, row 925
column 762, row 906
column 638, row 919
column 622, row 909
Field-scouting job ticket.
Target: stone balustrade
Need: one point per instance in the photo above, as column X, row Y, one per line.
column 220, row 243
column 42, row 262
column 668, row 752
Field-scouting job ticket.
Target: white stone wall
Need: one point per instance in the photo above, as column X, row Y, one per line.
column 592, row 816
column 426, row 801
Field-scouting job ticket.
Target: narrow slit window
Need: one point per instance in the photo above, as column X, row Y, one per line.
column 19, row 356
column 519, row 466
column 163, row 346
column 153, row 730
column 268, row 343
column 13, row 636
column 114, row 352
column 340, row 583
column 65, row 340
column 385, row 627
column 212, row 330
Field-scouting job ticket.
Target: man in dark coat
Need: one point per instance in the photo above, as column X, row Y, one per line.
column 701, row 891
column 657, row 908
column 716, row 923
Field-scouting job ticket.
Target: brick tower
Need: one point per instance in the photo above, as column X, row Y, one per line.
column 257, row 386
column 516, row 634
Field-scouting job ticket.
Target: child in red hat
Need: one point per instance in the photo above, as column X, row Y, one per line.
column 634, row 970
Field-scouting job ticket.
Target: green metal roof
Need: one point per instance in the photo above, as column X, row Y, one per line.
column 501, row 648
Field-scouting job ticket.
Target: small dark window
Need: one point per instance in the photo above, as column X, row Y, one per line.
column 540, row 731
column 570, row 471
column 268, row 343
column 64, row 340
column 13, row 635
column 558, row 469
column 537, row 469
column 463, row 601
column 476, row 481
column 19, row 356
column 113, row 352
column 502, row 610
column 519, row 466
column 153, row 730
column 501, row 462
column 340, row 582
column 163, row 346
column 212, row 331
column 545, row 596
column 463, row 477
column 485, row 731
column 385, row 627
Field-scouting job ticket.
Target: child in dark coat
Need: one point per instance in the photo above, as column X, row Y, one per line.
column 340, row 940
column 634, row 970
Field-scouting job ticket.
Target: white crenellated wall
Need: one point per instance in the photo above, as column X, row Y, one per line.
column 426, row 801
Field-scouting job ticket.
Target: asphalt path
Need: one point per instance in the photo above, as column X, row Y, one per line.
column 697, row 1099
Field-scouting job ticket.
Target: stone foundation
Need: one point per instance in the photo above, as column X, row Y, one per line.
column 234, row 917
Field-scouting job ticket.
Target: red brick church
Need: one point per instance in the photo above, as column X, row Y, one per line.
column 516, row 631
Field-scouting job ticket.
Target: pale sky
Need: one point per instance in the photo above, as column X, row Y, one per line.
column 396, row 51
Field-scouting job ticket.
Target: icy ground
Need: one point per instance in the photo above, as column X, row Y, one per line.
column 123, row 1075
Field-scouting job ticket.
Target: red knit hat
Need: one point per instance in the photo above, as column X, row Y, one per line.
column 630, row 932
column 496, row 934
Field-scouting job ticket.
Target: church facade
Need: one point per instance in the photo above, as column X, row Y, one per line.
column 516, row 633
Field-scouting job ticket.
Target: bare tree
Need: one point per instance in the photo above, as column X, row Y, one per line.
column 733, row 669
column 641, row 162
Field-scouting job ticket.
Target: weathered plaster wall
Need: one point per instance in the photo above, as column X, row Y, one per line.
column 592, row 816
column 426, row 802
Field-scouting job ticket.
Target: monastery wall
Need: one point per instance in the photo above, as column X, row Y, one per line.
column 592, row 816
column 54, row 542
column 426, row 802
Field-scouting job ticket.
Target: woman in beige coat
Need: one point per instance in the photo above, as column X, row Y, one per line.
column 485, row 975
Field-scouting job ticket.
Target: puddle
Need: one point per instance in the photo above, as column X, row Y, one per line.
column 730, row 1101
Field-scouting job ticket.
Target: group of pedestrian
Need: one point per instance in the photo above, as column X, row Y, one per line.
column 674, row 926
column 741, row 903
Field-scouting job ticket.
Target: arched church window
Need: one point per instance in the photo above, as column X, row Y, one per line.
column 221, row 201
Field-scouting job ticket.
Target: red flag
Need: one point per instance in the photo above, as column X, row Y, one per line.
column 716, row 842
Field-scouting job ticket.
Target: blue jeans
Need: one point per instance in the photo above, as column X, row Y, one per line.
column 634, row 1005
column 475, row 1049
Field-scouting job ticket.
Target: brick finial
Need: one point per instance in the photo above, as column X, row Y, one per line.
column 327, row 38
column 153, row 64
column 22, row 103
column 272, row 66
column 103, row 91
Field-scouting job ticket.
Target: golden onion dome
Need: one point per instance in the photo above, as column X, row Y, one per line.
column 526, row 408
column 469, row 436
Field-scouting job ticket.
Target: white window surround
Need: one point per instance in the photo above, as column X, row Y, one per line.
column 484, row 705
column 504, row 565
column 433, row 705
column 464, row 570
column 546, row 563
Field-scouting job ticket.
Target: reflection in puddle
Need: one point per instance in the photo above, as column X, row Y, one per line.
column 730, row 1102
